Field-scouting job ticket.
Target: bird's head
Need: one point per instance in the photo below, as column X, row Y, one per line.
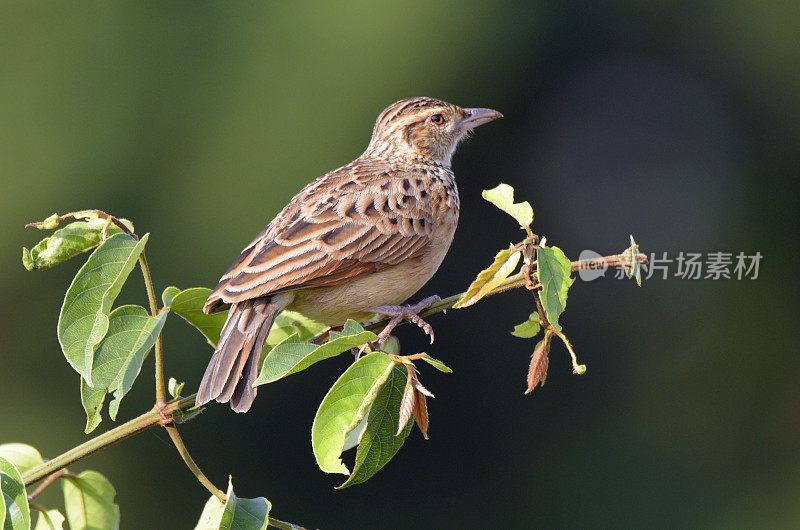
column 425, row 129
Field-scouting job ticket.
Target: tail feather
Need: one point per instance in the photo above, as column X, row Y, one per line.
column 234, row 366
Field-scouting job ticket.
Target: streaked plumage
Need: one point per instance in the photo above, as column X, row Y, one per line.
column 368, row 234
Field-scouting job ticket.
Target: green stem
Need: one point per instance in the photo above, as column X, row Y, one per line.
column 161, row 392
column 126, row 430
column 47, row 483
column 172, row 430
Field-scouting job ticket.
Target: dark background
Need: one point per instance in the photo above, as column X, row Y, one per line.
column 677, row 122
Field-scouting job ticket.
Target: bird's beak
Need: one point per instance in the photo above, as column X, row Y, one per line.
column 476, row 117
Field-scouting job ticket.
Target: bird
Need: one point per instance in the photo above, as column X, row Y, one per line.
column 353, row 243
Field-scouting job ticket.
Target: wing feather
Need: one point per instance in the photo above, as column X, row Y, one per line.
column 354, row 221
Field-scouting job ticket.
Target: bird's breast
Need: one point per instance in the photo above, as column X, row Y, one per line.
column 334, row 304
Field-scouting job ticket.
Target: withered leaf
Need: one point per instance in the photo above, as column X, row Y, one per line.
column 537, row 371
column 421, row 388
column 407, row 403
column 421, row 412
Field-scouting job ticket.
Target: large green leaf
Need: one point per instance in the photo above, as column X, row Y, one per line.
column 83, row 321
column 15, row 513
column 24, row 457
column 553, row 269
column 67, row 242
column 504, row 264
column 344, row 407
column 503, row 197
column 189, row 305
column 380, row 443
column 89, row 502
column 288, row 323
column 132, row 332
column 292, row 355
column 49, row 520
column 236, row 513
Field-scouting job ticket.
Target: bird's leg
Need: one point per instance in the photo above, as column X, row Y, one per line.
column 397, row 313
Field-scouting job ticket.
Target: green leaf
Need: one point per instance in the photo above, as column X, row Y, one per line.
column 504, row 264
column 344, row 407
column 67, row 242
column 132, row 332
column 290, row 322
column 236, row 513
column 92, row 401
column 89, row 502
column 50, row 520
column 24, row 457
column 529, row 328
column 380, row 443
column 168, row 294
column 436, row 363
column 631, row 255
column 292, row 355
column 503, row 197
column 189, row 305
column 392, row 345
column 553, row 270
column 83, row 321
column 182, row 416
column 354, row 436
column 174, row 387
column 15, row 513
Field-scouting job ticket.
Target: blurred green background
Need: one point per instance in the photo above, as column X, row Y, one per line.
column 677, row 122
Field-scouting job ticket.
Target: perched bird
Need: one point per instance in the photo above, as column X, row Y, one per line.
column 354, row 242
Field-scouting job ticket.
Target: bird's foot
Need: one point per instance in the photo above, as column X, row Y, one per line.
column 398, row 313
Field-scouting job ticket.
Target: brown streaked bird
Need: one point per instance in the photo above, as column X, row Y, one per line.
column 356, row 241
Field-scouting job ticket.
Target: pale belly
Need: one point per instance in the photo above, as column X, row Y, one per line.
column 334, row 304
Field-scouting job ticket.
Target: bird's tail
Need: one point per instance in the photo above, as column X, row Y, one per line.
column 234, row 366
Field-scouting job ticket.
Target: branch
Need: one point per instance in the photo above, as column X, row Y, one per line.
column 162, row 412
column 518, row 280
column 154, row 417
column 126, row 430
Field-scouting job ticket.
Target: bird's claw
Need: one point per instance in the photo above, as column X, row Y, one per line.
column 398, row 313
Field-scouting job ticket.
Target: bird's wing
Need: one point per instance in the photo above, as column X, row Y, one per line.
column 354, row 221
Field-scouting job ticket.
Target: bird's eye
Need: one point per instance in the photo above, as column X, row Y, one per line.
column 438, row 119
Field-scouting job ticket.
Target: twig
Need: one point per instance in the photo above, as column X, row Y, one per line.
column 284, row 525
column 48, row 482
column 81, row 213
column 172, row 430
column 515, row 281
